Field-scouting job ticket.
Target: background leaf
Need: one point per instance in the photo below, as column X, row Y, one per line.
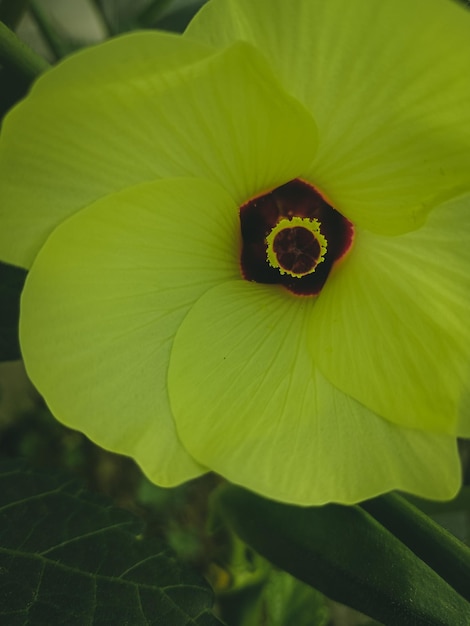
column 11, row 284
column 178, row 18
column 173, row 15
column 286, row 601
column 11, row 11
column 69, row 558
column 280, row 600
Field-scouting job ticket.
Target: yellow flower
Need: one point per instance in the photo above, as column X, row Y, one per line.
column 249, row 245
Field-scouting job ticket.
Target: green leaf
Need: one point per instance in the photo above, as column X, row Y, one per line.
column 279, row 600
column 178, row 20
column 172, row 15
column 286, row 600
column 11, row 11
column 11, row 284
column 59, row 45
column 68, row 557
column 103, row 15
column 347, row 555
column 152, row 13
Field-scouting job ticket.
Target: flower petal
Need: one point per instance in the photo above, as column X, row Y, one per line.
column 387, row 84
column 102, row 302
column 129, row 58
column 391, row 324
column 249, row 404
column 223, row 117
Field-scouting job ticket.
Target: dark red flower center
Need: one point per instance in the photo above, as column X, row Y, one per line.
column 293, row 237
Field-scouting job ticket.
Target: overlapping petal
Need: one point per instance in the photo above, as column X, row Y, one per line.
column 391, row 327
column 101, row 305
column 260, row 413
column 65, row 147
column 130, row 58
column 387, row 84
column 136, row 325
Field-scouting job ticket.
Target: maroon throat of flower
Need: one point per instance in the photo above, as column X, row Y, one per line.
column 292, row 237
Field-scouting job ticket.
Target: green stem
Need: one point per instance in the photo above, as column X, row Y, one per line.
column 345, row 553
column 18, row 57
column 443, row 552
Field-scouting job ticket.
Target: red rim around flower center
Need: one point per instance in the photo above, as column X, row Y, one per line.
column 293, row 237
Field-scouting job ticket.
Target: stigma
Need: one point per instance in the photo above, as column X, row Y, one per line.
column 295, row 246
